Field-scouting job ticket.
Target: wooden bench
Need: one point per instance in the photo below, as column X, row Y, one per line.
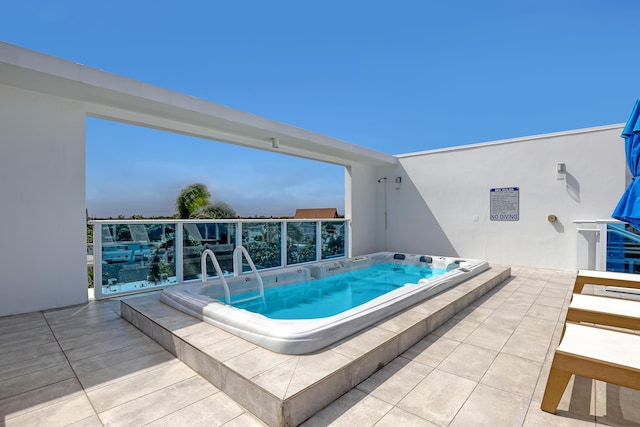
column 616, row 312
column 605, row 278
column 592, row 352
column 601, row 310
column 596, row 353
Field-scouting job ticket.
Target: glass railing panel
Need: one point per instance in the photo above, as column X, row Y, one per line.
column 133, row 256
column 219, row 237
column 263, row 241
column 301, row 242
column 137, row 256
column 623, row 248
column 332, row 234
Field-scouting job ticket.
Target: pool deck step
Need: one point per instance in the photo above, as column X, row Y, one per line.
column 285, row 390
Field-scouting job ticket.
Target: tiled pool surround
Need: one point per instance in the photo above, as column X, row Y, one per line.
column 285, row 390
column 303, row 336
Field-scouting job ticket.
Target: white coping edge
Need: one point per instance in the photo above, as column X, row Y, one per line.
column 308, row 335
column 513, row 140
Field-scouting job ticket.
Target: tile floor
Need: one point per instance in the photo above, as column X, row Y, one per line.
column 487, row 366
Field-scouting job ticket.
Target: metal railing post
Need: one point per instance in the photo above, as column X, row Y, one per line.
column 179, row 247
column 318, row 240
column 347, row 234
column 283, row 243
column 97, row 260
column 601, row 247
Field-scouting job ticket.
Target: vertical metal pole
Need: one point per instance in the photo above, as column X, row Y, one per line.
column 318, row 240
column 97, row 260
column 283, row 244
column 601, row 247
column 179, row 247
column 347, row 248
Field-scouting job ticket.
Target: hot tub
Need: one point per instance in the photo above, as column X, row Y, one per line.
column 304, row 335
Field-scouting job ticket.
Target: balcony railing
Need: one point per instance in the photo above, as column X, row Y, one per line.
column 608, row 245
column 141, row 255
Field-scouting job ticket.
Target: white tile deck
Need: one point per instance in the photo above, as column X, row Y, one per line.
column 487, row 366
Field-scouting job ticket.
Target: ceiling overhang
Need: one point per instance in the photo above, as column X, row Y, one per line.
column 109, row 96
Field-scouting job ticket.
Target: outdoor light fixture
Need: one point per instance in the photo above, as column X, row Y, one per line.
column 561, row 170
column 275, row 142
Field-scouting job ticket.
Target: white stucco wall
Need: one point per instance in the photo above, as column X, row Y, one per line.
column 44, row 102
column 442, row 206
column 42, row 189
column 360, row 207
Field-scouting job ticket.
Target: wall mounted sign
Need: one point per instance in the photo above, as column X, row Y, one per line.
column 504, row 204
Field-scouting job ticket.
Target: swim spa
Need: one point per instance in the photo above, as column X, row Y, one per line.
column 304, row 287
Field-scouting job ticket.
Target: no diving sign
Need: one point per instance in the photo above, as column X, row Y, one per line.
column 504, row 204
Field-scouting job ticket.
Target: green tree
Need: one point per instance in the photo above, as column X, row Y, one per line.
column 214, row 210
column 190, row 199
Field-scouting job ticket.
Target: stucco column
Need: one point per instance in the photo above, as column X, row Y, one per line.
column 42, row 188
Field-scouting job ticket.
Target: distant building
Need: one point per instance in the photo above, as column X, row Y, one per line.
column 316, row 213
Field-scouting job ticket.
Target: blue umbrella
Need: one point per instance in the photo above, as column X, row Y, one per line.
column 628, row 209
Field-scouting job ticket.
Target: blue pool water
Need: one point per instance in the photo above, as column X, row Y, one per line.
column 332, row 295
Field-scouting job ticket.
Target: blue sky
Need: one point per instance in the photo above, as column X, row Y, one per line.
column 396, row 77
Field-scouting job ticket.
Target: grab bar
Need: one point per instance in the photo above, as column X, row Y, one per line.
column 203, row 265
column 237, row 258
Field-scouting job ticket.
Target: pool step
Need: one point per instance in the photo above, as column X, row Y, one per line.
column 285, row 390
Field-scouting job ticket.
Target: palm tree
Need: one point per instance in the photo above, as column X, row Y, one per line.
column 190, row 199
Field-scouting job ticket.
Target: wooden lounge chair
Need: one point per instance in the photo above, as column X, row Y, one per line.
column 616, row 312
column 602, row 310
column 605, row 278
column 596, row 353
